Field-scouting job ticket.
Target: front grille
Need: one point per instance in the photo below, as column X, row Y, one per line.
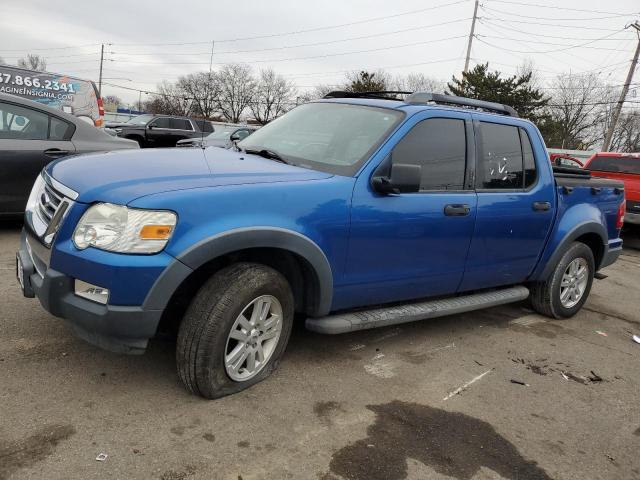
column 49, row 202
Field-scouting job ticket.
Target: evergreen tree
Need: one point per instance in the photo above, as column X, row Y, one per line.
column 367, row 82
column 515, row 91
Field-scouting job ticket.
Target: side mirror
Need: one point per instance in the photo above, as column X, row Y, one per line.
column 150, row 127
column 404, row 178
column 235, row 137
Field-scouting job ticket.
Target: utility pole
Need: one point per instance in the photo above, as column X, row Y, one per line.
column 100, row 79
column 616, row 113
column 211, row 58
column 473, row 28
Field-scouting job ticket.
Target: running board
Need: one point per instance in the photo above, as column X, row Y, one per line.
column 410, row 312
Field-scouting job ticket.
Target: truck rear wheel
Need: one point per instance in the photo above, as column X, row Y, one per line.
column 235, row 330
column 565, row 291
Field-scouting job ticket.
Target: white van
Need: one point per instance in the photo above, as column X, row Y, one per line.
column 69, row 94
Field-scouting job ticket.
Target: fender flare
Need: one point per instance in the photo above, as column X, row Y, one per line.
column 569, row 238
column 240, row 239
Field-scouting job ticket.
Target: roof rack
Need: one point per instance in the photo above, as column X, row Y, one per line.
column 442, row 99
column 382, row 95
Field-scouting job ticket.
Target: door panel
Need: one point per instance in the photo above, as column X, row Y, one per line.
column 22, row 161
column 404, row 246
column 414, row 245
column 511, row 227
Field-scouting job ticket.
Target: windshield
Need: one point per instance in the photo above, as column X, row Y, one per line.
column 329, row 137
column 221, row 134
column 140, row 120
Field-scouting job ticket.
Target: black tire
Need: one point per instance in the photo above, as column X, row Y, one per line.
column 545, row 296
column 137, row 139
column 203, row 334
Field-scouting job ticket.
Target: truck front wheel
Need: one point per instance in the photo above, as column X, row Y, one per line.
column 235, row 330
column 565, row 291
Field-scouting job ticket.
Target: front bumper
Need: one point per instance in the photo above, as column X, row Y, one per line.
column 121, row 329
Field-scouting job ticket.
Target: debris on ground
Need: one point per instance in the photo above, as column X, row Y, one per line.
column 600, row 332
column 461, row 389
column 595, row 377
column 101, row 457
column 519, row 382
column 636, row 338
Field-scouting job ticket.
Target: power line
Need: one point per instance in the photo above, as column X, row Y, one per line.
column 51, row 48
column 555, row 7
column 316, row 29
column 489, row 23
column 305, row 44
column 553, row 43
column 543, row 51
column 555, row 25
column 326, row 55
column 571, row 19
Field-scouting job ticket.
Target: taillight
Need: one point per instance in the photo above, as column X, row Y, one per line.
column 621, row 209
column 100, row 107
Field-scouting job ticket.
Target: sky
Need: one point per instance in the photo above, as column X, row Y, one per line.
column 314, row 43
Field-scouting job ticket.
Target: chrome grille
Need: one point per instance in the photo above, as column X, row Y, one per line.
column 48, row 203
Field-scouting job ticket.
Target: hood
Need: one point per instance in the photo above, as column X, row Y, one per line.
column 116, row 124
column 122, row 176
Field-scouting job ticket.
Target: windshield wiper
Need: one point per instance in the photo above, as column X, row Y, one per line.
column 270, row 154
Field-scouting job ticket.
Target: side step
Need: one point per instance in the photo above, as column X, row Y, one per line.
column 410, row 312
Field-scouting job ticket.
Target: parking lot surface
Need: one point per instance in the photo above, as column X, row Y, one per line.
column 499, row 393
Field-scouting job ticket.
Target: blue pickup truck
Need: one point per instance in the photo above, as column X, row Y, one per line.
column 352, row 212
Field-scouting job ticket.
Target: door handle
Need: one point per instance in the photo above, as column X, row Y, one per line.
column 541, row 206
column 457, row 210
column 56, row 152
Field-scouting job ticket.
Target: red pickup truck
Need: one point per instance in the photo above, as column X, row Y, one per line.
column 624, row 167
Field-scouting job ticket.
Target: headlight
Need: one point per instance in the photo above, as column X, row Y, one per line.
column 124, row 230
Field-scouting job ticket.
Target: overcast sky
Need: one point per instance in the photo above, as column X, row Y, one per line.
column 333, row 36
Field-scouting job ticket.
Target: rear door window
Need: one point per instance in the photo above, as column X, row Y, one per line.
column 21, row 123
column 615, row 164
column 438, row 146
column 500, row 164
column 162, row 122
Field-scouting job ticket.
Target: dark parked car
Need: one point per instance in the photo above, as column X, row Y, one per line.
column 31, row 136
column 222, row 137
column 160, row 130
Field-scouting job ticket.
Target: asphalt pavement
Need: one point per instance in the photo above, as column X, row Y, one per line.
column 499, row 393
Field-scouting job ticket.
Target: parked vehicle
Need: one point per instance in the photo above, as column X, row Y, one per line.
column 624, row 167
column 352, row 212
column 72, row 95
column 31, row 136
column 564, row 160
column 160, row 130
column 223, row 137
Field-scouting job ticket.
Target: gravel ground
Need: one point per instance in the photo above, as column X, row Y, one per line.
column 500, row 393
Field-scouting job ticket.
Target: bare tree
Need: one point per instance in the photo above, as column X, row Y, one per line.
column 626, row 136
column 237, row 89
column 33, row 62
column 315, row 93
column 274, row 95
column 575, row 110
column 204, row 88
column 170, row 100
column 417, row 82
